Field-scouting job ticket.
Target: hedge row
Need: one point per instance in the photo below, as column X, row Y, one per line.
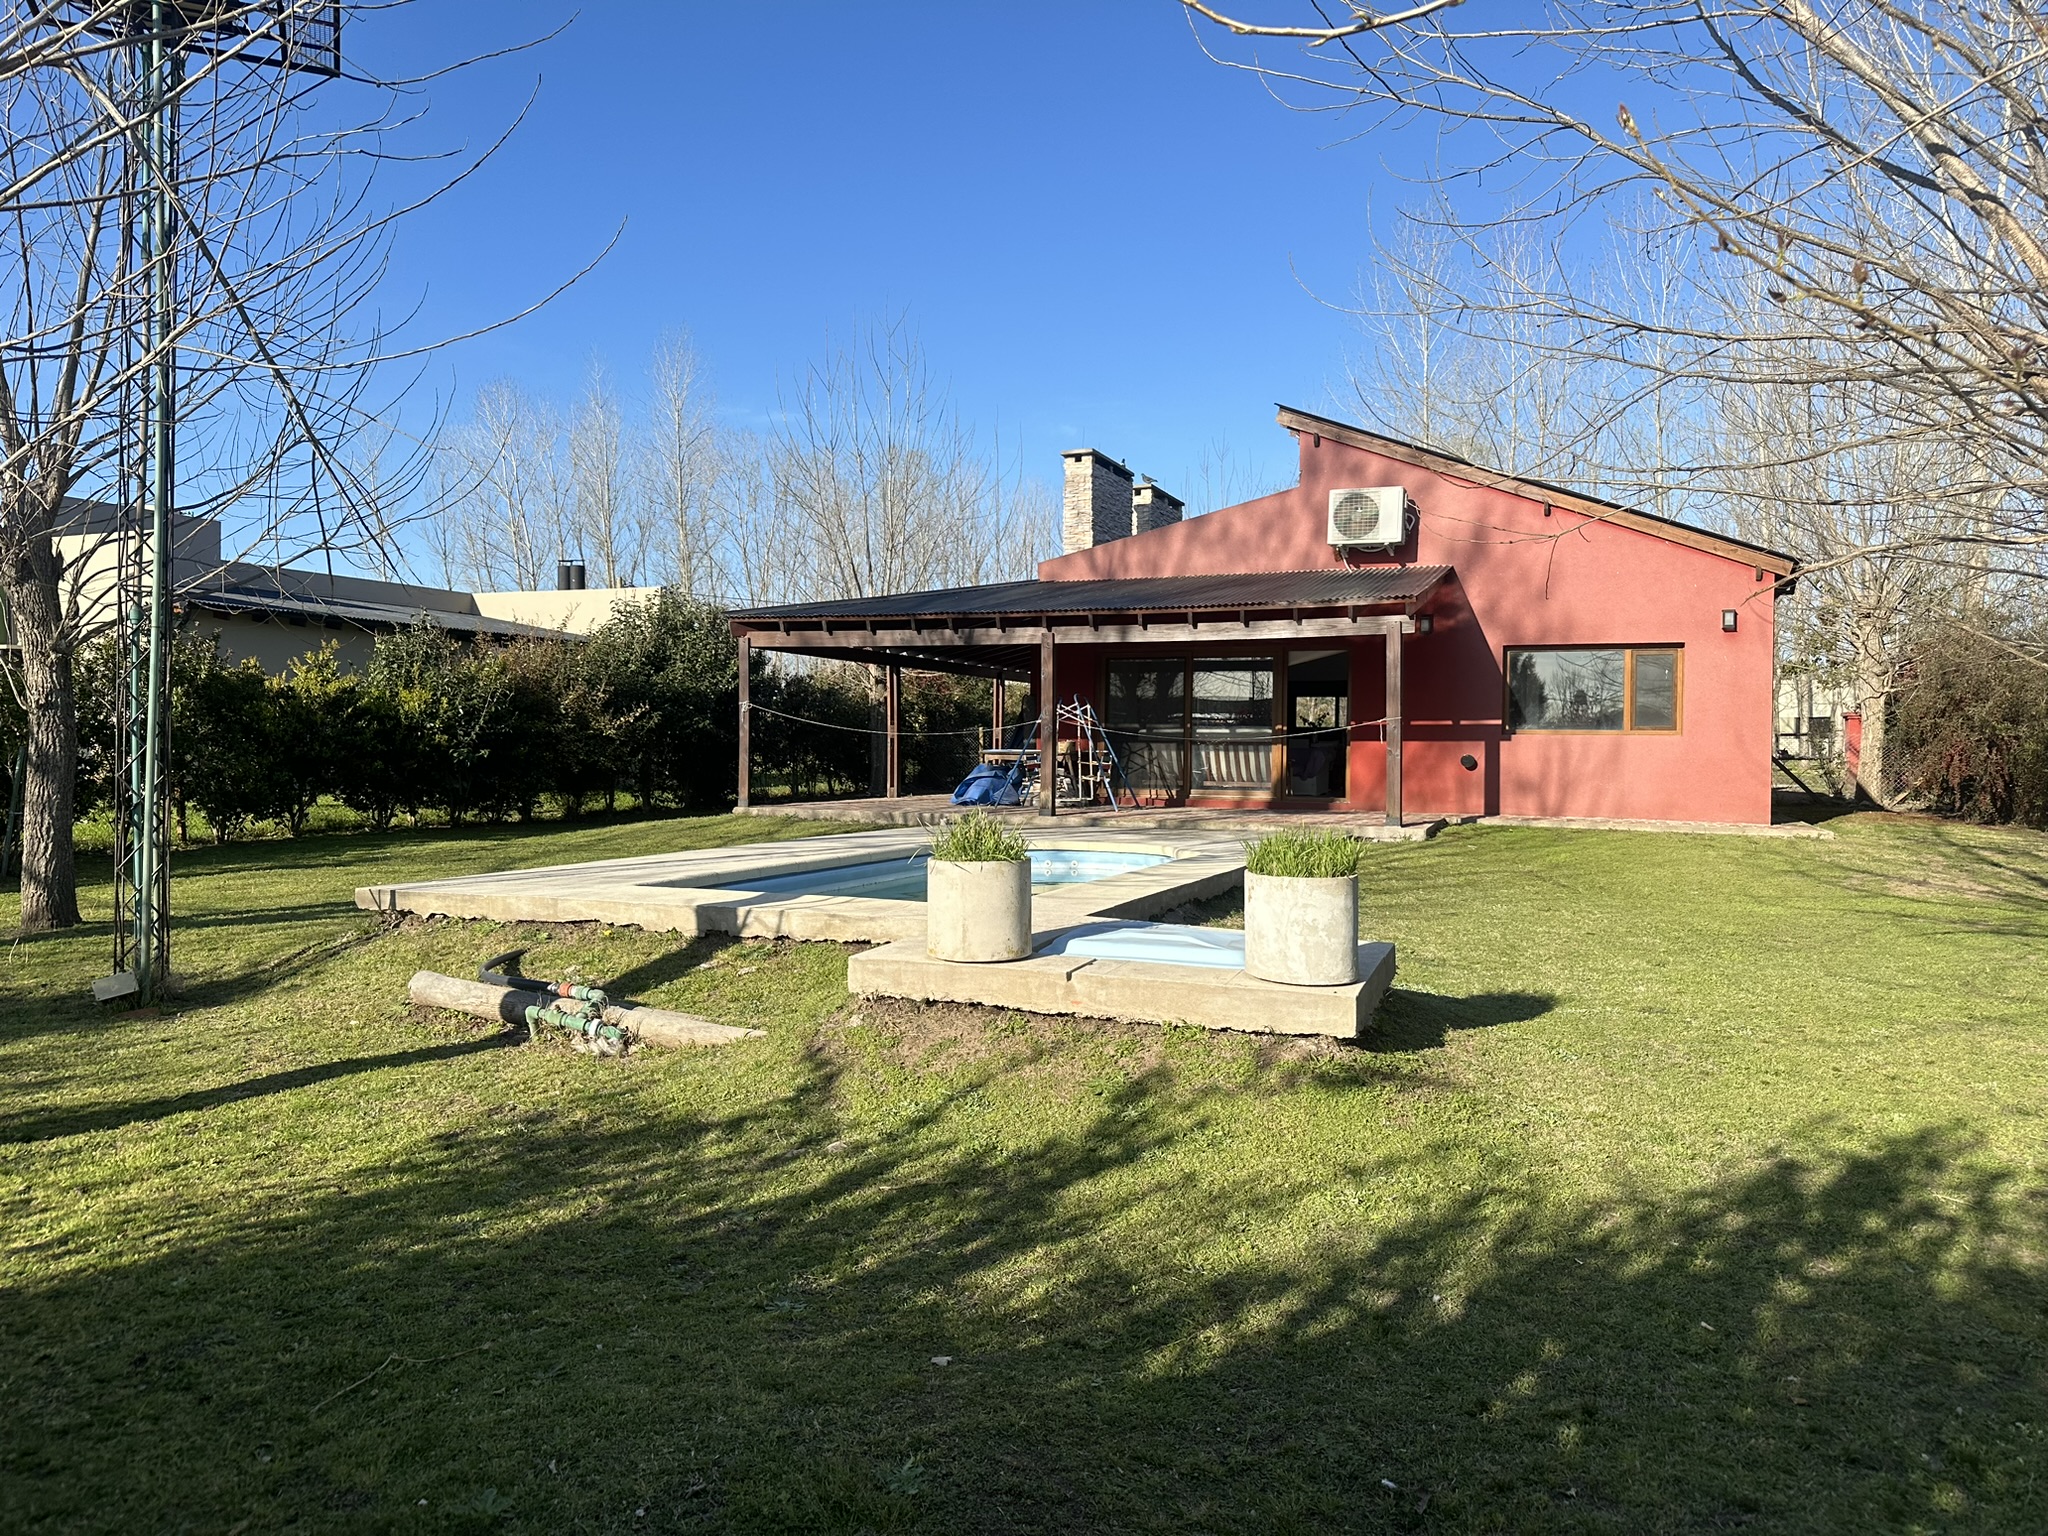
column 646, row 706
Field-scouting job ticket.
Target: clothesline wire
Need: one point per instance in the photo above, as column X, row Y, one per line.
column 1233, row 739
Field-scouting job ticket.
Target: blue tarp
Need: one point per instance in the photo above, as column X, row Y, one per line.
column 988, row 786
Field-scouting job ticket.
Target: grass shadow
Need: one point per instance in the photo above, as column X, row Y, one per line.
column 672, row 966
column 755, row 1324
column 19, row 1129
column 1422, row 1021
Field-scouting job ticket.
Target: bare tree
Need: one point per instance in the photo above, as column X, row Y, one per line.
column 276, row 249
column 881, row 486
column 507, row 494
column 679, row 468
column 603, row 528
column 1872, row 172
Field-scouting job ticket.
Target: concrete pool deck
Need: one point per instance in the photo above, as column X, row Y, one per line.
column 693, row 892
column 1147, row 992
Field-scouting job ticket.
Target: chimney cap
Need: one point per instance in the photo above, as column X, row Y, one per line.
column 1159, row 492
column 1099, row 456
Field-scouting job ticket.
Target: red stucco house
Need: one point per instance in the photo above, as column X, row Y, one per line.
column 1400, row 630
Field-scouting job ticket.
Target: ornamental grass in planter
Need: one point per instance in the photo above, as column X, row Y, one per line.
column 1301, row 907
column 978, row 892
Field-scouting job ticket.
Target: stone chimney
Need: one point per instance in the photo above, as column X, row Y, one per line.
column 1152, row 507
column 1097, row 506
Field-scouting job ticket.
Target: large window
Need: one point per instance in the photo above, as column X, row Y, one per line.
column 1146, row 710
column 1612, row 688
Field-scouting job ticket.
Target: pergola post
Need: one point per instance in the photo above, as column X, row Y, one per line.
column 1393, row 725
column 893, row 704
column 995, row 711
column 746, row 723
column 1048, row 729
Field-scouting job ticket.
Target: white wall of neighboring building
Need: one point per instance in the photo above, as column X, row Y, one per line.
column 1810, row 716
column 574, row 613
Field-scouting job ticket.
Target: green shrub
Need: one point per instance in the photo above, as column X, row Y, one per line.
column 1968, row 731
column 978, row 838
column 1305, row 853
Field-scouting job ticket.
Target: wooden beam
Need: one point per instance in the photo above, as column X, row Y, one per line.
column 893, row 703
column 878, row 730
column 1393, row 730
column 746, row 723
column 995, row 712
column 1225, row 630
column 1048, row 730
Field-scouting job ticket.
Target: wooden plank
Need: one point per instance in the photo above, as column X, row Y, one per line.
column 1393, row 730
column 1048, row 729
column 746, row 723
column 893, row 704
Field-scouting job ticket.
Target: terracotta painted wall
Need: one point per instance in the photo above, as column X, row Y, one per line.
column 1523, row 578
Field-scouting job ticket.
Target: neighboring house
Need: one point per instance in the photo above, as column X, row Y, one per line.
column 1811, row 716
column 275, row 614
column 1401, row 630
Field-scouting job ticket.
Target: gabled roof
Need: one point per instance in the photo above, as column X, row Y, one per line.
column 1020, row 601
column 1443, row 462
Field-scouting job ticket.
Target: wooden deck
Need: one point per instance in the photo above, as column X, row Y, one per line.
column 927, row 810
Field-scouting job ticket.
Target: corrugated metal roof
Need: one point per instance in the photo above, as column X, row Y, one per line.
column 1146, row 594
column 369, row 615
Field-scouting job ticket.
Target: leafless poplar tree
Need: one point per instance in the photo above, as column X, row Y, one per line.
column 604, row 527
column 507, row 507
column 878, row 482
column 679, row 471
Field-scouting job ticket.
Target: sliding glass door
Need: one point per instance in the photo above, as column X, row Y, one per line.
column 1203, row 725
column 1231, row 721
column 1318, row 717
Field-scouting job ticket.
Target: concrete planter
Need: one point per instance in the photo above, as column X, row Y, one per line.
column 1303, row 932
column 978, row 912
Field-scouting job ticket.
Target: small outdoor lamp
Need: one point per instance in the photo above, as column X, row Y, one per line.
column 1728, row 621
column 1424, row 624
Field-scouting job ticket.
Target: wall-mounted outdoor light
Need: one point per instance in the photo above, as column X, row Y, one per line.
column 1728, row 621
column 1424, row 624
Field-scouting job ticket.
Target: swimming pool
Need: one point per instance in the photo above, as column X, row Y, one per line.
column 904, row 879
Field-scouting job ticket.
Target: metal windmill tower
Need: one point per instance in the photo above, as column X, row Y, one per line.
column 295, row 36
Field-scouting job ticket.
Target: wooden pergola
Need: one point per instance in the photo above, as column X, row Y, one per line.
column 1012, row 631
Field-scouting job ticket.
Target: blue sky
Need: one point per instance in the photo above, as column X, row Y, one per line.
column 1102, row 236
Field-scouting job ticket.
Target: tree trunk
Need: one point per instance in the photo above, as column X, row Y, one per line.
column 49, row 872
column 1873, row 701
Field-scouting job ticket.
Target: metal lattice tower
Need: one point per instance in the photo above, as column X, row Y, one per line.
column 289, row 35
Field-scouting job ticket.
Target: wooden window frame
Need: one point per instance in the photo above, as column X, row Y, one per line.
column 1628, row 691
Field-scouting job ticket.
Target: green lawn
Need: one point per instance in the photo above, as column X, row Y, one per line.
column 1691, row 1182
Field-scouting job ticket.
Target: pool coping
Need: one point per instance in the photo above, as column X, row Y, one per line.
column 689, row 891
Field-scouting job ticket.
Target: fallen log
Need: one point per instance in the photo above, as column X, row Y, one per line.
column 508, row 1005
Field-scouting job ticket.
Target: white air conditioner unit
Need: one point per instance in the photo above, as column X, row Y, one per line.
column 1368, row 517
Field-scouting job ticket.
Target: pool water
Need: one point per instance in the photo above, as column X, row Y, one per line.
column 904, row 879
